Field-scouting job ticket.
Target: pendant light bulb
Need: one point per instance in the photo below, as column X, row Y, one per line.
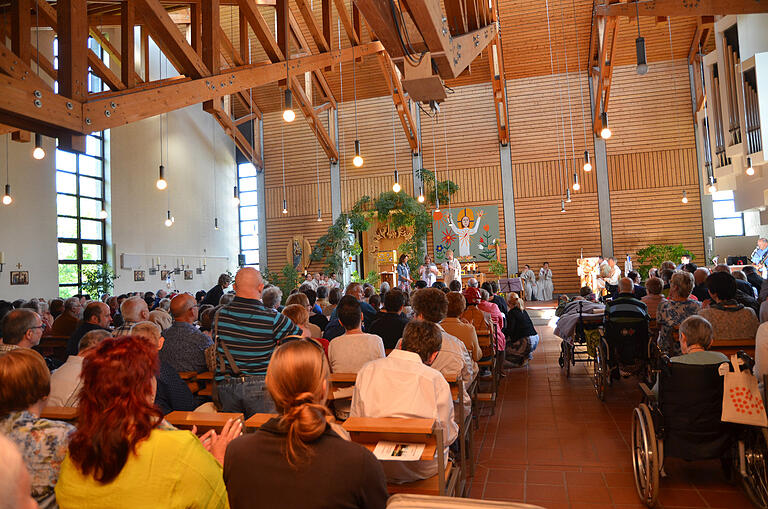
column 103, row 214
column 358, row 159
column 576, row 185
column 288, row 113
column 161, row 183
column 568, row 196
column 215, row 223
column 605, row 132
column 7, row 200
column 562, row 206
column 685, row 197
column 235, row 196
column 750, row 168
column 319, row 216
column 642, row 61
column 38, row 153
column 168, row 221
column 437, row 205
column 396, row 186
column 285, row 207
column 712, row 187
column 587, row 163
column 420, row 199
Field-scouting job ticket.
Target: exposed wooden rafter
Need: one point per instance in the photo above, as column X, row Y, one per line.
column 395, row 86
column 601, row 51
column 498, row 83
column 663, row 8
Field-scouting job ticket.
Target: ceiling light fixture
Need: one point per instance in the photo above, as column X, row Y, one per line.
column 396, row 186
column 587, row 163
column 168, row 220
column 562, row 206
column 685, row 197
column 358, row 159
column 421, row 198
column 285, row 206
column 38, row 152
column 161, row 183
column 642, row 60
column 288, row 114
column 568, row 196
column 712, row 187
column 103, row 213
column 236, row 196
column 605, row 132
column 750, row 168
column 7, row 200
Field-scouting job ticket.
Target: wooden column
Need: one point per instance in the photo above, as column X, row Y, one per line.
column 209, row 11
column 283, row 31
column 72, row 32
column 128, row 21
column 262, row 202
column 21, row 45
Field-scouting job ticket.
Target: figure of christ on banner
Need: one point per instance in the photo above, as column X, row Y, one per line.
column 471, row 233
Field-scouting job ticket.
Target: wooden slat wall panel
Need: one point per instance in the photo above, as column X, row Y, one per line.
column 656, row 216
column 545, row 234
column 550, row 178
column 650, row 112
column 535, row 126
column 643, row 170
column 300, row 144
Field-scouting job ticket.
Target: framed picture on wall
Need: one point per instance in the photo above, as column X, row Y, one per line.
column 164, row 274
column 19, row 277
column 139, row 275
column 188, row 274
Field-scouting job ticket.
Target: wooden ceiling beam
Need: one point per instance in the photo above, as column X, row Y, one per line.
column 318, row 75
column 663, row 8
column 230, row 128
column 171, row 41
column 349, row 28
column 56, row 116
column 395, row 86
column 72, row 32
column 455, row 14
column 315, row 31
column 605, row 30
column 498, row 82
column 101, row 70
column 327, row 15
column 127, row 61
column 21, row 45
column 261, row 30
column 704, row 26
column 12, row 65
column 131, row 106
column 305, row 104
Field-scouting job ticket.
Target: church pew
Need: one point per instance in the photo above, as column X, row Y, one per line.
column 369, row 431
column 466, row 437
column 199, row 383
column 255, row 421
column 60, row 413
column 731, row 346
column 203, row 420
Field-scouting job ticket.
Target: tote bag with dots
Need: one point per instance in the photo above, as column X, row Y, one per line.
column 742, row 403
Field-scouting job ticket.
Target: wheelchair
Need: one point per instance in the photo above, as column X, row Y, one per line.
column 581, row 348
column 683, row 421
column 624, row 340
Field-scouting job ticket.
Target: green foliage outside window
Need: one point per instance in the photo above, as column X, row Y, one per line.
column 98, row 280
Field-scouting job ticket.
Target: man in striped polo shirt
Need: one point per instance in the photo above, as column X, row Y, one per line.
column 248, row 333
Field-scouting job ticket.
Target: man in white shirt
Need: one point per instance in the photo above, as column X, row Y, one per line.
column 65, row 381
column 347, row 353
column 403, row 385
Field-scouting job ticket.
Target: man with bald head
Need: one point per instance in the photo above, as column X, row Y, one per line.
column 96, row 316
column 700, row 279
column 248, row 333
column 185, row 345
column 133, row 311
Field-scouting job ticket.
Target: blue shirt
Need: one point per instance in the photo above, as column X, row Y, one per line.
column 403, row 272
column 184, row 347
column 759, row 255
column 251, row 331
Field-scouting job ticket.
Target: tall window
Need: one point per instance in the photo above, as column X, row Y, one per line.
column 728, row 222
column 80, row 200
column 249, row 213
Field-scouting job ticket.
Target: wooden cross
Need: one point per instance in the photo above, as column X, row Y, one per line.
column 18, row 266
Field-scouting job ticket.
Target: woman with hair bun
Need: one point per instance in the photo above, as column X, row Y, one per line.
column 297, row 460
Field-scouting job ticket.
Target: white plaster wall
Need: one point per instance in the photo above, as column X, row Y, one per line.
column 753, row 34
column 28, row 225
column 139, row 208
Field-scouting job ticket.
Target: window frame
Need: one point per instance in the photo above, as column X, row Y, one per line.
column 737, row 215
column 257, row 220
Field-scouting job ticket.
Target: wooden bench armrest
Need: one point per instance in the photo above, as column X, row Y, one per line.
column 258, row 420
column 389, row 425
column 344, row 377
column 59, row 413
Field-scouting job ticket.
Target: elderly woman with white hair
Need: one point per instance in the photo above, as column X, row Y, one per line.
column 272, row 297
column 674, row 310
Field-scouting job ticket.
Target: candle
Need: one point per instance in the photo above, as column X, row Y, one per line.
column 2, row 257
column 182, row 261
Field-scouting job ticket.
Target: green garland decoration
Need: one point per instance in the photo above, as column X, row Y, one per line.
column 399, row 209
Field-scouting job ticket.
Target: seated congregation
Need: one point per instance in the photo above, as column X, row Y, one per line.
column 99, row 397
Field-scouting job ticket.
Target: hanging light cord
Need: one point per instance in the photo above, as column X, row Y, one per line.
column 435, row 120
column 160, row 73
column 447, row 168
column 564, row 171
column 568, row 85
column 394, row 137
column 637, row 11
column 552, row 68
column 340, row 116
column 213, row 166
column 282, row 152
column 7, row 166
column 354, row 81
column 674, row 82
column 317, row 172
column 581, row 86
column 37, row 34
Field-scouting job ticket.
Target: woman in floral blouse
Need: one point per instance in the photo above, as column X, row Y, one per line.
column 24, row 387
column 673, row 311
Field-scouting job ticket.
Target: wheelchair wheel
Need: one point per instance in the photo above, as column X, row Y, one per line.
column 755, row 478
column 645, row 455
column 600, row 371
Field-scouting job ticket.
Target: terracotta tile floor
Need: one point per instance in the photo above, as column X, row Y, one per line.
column 552, row 443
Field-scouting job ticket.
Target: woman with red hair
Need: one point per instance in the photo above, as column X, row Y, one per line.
column 123, row 454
